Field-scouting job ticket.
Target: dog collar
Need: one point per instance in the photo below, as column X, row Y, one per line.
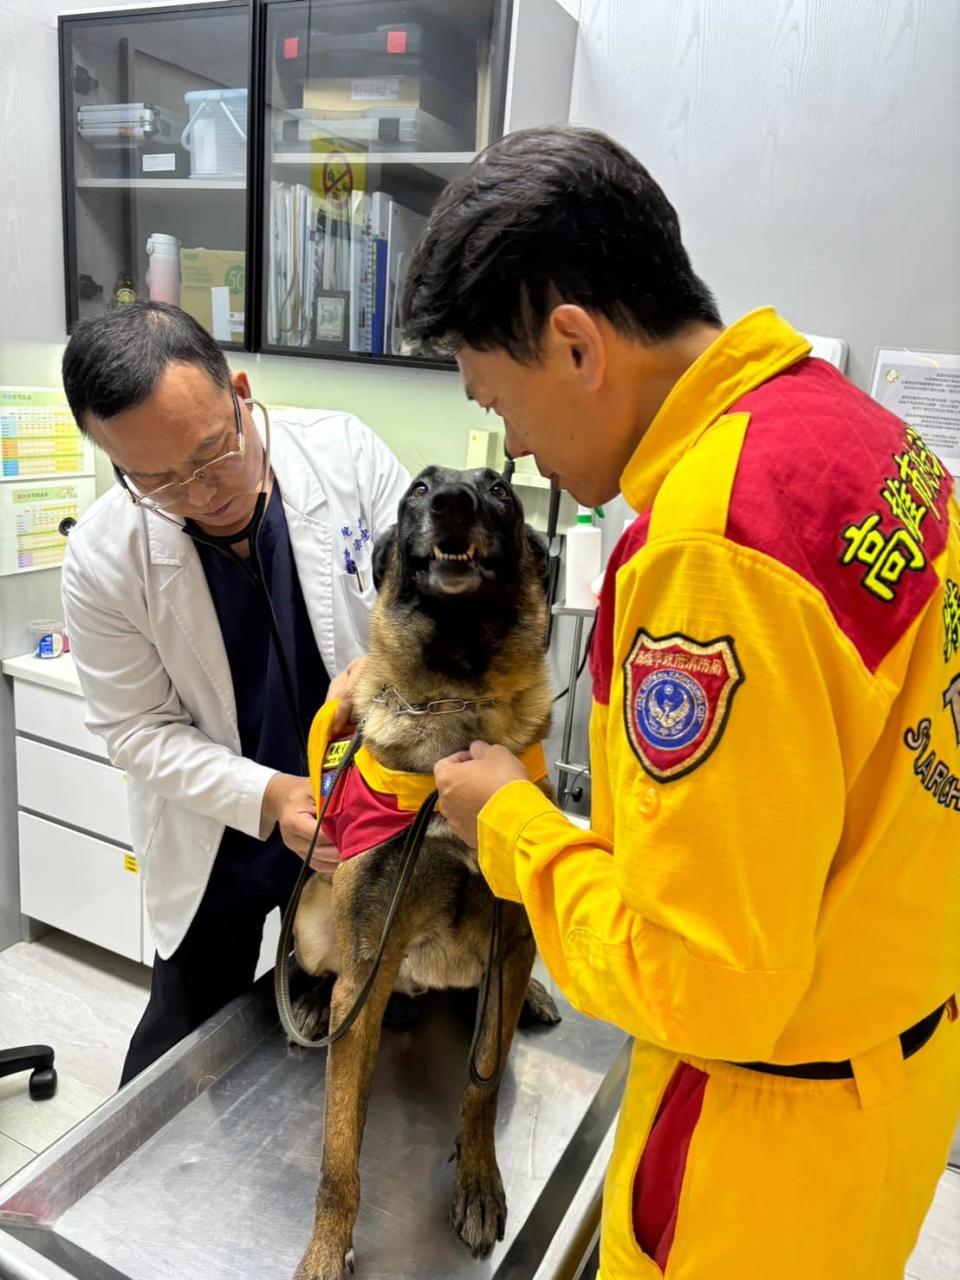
column 439, row 707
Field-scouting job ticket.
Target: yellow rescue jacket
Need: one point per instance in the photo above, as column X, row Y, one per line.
column 772, row 870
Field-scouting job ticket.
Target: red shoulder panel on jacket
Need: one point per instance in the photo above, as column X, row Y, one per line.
column 843, row 492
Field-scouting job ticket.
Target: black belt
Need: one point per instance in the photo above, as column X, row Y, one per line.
column 911, row 1040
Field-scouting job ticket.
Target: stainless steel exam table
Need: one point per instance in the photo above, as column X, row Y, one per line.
column 205, row 1167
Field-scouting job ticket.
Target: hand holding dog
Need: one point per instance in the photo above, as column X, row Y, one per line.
column 288, row 800
column 467, row 780
column 343, row 687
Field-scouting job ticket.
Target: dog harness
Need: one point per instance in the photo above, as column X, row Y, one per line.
column 372, row 804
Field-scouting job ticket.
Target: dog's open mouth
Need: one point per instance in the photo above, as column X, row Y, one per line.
column 447, row 552
column 454, row 566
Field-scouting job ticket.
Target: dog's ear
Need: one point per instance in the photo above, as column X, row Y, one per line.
column 541, row 555
column 382, row 555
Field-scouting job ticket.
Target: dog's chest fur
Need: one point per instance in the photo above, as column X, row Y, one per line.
column 448, row 946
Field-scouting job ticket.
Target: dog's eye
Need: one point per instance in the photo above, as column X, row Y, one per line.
column 500, row 490
column 418, row 490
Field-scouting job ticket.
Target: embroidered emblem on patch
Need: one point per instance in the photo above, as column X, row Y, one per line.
column 332, row 759
column 676, row 699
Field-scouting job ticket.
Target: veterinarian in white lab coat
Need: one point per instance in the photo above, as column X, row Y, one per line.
column 172, row 640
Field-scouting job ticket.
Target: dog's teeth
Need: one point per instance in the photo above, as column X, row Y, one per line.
column 454, row 555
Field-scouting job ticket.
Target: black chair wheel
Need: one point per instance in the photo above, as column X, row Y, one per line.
column 43, row 1083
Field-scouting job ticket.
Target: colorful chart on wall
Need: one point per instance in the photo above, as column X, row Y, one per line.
column 46, row 474
column 30, row 516
column 38, row 436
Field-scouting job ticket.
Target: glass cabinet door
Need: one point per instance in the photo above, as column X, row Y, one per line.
column 371, row 107
column 155, row 161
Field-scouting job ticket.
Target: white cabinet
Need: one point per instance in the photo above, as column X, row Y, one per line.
column 77, row 869
column 54, row 715
column 80, row 884
column 80, row 792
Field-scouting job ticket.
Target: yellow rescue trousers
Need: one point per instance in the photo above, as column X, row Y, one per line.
column 791, row 1179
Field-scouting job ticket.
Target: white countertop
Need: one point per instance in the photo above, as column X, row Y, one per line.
column 55, row 673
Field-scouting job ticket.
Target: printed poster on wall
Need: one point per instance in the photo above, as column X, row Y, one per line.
column 30, row 516
column 46, row 474
column 38, row 436
column 923, row 388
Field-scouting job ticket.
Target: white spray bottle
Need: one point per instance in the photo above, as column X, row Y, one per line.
column 584, row 559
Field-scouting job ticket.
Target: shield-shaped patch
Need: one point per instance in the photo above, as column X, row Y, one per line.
column 677, row 694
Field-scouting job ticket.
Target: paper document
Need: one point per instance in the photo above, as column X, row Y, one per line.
column 923, row 388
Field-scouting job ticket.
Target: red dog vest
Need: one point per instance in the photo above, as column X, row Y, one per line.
column 372, row 804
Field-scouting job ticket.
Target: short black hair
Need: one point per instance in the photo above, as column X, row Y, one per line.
column 114, row 361
column 544, row 216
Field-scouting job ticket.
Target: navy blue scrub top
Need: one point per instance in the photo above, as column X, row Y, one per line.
column 246, row 867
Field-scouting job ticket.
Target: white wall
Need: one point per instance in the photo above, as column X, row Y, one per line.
column 808, row 145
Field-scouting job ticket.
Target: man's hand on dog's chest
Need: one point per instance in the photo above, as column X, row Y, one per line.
column 343, row 687
column 467, row 780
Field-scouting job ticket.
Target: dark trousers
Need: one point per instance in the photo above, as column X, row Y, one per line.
column 215, row 962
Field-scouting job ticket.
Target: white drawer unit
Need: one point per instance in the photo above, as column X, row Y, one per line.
column 77, row 870
column 57, row 716
column 80, row 884
column 85, row 793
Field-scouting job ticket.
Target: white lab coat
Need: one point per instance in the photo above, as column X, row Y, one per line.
column 151, row 658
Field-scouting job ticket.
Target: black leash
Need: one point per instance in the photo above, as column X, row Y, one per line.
column 409, row 855
column 494, row 956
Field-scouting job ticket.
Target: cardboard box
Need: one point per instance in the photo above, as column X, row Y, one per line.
column 343, row 95
column 213, row 290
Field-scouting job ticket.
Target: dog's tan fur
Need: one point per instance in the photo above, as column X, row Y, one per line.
column 441, row 936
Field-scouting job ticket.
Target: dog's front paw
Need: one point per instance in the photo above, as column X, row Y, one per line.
column 320, row 1264
column 479, row 1209
column 539, row 1007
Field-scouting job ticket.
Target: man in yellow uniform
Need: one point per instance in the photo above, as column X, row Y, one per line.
column 769, row 895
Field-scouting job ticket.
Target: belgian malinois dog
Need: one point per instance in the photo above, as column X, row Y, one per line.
column 456, row 654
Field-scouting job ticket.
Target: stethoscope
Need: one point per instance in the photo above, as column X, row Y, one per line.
column 251, row 566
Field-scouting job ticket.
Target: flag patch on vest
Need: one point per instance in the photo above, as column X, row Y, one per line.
column 676, row 699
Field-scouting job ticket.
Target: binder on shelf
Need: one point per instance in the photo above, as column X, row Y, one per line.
column 381, row 205
column 361, row 280
column 404, row 232
column 380, row 291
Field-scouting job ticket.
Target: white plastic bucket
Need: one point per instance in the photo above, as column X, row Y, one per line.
column 163, row 273
column 216, row 133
